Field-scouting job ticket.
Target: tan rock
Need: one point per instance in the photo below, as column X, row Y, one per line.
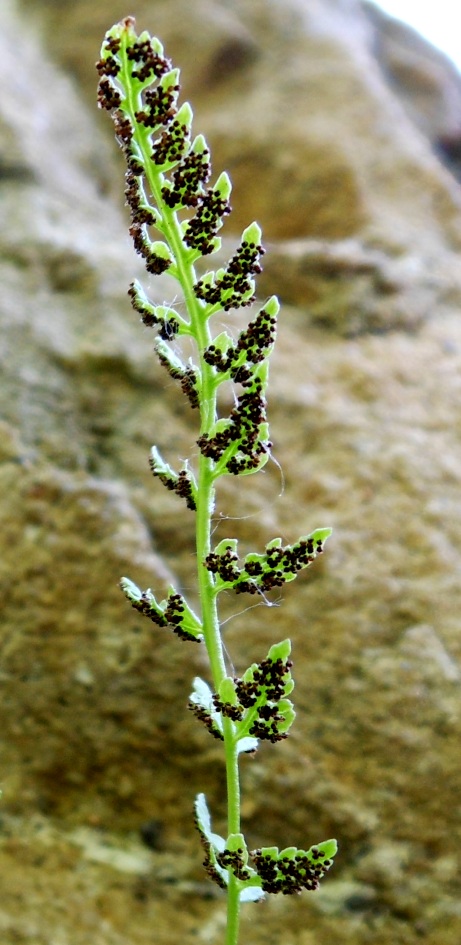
column 96, row 741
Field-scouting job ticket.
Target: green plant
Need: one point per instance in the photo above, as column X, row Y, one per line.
column 167, row 190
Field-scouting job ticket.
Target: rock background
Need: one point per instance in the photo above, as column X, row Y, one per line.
column 331, row 141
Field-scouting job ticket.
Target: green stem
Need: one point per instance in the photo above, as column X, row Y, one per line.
column 211, row 627
column 233, row 911
column 205, row 491
column 233, row 826
column 205, row 507
column 212, row 635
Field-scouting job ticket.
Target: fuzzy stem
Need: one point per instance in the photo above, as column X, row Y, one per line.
column 205, row 505
column 211, row 627
column 233, row 826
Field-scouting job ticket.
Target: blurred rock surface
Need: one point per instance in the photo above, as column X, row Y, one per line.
column 363, row 228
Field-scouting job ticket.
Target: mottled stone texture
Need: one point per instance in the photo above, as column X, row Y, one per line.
column 363, row 229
